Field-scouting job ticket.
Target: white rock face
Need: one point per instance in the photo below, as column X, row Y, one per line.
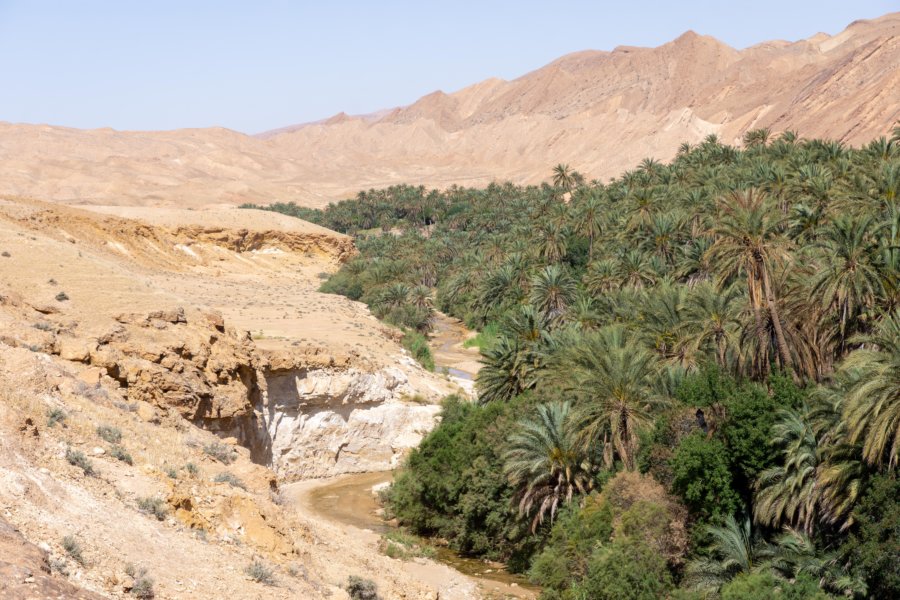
column 324, row 422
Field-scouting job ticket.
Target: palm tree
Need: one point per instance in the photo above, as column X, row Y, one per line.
column 734, row 550
column 563, row 177
column 748, row 242
column 789, row 492
column 757, row 137
column 545, row 462
column 614, row 380
column 711, row 321
column 589, row 218
column 506, row 371
column 872, row 407
column 552, row 291
column 848, row 281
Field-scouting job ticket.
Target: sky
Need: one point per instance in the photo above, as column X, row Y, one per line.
column 262, row 64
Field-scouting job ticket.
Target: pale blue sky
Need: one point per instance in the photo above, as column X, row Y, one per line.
column 261, row 64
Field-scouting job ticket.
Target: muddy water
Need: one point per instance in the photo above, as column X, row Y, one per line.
column 349, row 500
column 446, row 341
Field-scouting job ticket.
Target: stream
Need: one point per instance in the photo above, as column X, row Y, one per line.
column 350, row 499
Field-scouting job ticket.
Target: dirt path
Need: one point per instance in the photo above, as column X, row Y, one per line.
column 347, row 504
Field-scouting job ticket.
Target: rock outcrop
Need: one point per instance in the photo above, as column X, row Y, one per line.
column 327, row 421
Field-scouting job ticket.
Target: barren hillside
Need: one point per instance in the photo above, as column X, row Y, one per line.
column 162, row 373
column 599, row 111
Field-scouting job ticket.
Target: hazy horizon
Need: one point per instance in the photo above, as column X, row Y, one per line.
column 137, row 67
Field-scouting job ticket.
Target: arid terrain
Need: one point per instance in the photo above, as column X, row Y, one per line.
column 200, row 341
column 601, row 112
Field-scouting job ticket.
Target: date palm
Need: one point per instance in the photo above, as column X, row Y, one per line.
column 847, row 281
column 734, row 550
column 748, row 243
column 613, row 378
column 789, row 493
column 589, row 219
column 552, row 291
column 711, row 321
column 563, row 177
column 872, row 409
column 545, row 462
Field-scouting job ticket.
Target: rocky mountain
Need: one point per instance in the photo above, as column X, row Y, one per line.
column 601, row 112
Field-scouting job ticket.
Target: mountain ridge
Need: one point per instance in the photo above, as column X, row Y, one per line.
column 599, row 111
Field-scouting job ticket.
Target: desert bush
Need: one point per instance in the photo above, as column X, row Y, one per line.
column 143, row 583
column 59, row 565
column 62, row 297
column 110, row 434
column 360, row 588
column 43, row 326
column 232, row 480
column 153, row 505
column 221, row 452
column 5, row 254
column 260, row 573
column 417, row 345
column 78, row 459
column 73, row 549
column 120, row 453
column 191, row 469
column 54, row 416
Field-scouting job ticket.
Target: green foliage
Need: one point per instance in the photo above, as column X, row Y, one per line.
column 56, row 415
column 732, row 280
column 360, row 588
column 153, row 505
column 120, row 453
column 764, row 586
column 702, row 477
column 564, row 559
column 626, row 569
column 143, row 583
column 230, row 479
column 73, row 549
column 260, row 573
column 873, row 549
column 417, row 345
column 404, row 546
column 485, row 338
column 78, row 459
column 453, row 486
column 110, row 434
column 221, row 452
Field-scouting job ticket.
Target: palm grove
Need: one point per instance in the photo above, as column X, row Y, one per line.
column 691, row 380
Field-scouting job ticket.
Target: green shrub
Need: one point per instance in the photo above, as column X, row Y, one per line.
column 56, row 415
column 403, row 546
column 110, row 434
column 120, row 453
column 143, row 584
column 764, row 586
column 625, row 569
column 260, row 573
column 232, row 480
column 192, row 469
column 417, row 345
column 73, row 549
column 702, row 477
column 873, row 548
column 221, row 452
column 153, row 505
column 359, row 588
column 78, row 459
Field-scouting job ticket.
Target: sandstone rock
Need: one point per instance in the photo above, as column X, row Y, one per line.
column 75, row 350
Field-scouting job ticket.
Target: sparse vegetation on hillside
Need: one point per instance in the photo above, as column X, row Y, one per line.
column 726, row 324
